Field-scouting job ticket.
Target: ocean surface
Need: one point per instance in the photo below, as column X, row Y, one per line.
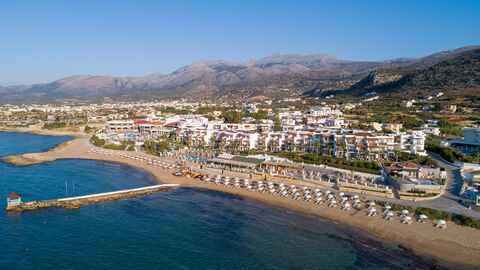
column 178, row 229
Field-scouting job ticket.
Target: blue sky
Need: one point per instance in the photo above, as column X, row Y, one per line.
column 41, row 41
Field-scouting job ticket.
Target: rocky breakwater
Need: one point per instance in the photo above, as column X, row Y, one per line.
column 76, row 202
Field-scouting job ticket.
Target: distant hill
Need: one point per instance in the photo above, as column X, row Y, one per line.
column 273, row 76
column 461, row 72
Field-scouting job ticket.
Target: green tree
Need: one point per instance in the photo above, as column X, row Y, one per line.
column 277, row 127
column 317, row 146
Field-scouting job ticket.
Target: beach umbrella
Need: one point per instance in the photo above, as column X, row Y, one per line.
column 344, row 199
column 341, row 194
column 389, row 215
column 407, row 219
column 346, row 206
column 292, row 186
column 333, row 203
column 405, row 212
column 318, row 200
column 328, row 192
column 330, row 196
column 355, row 196
column 387, row 207
column 441, row 223
column 371, row 204
column 423, row 218
column 249, row 187
column 317, row 190
column 318, row 194
column 372, row 211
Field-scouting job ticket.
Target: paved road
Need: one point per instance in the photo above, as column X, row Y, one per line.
column 449, row 201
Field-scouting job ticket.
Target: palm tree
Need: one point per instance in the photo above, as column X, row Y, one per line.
column 317, row 146
column 343, row 146
column 330, row 150
column 382, row 154
column 212, row 141
column 235, row 146
column 365, row 155
column 222, row 146
column 264, row 148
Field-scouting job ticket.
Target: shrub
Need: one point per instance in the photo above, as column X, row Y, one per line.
column 87, row 129
column 467, row 221
column 54, row 125
column 433, row 214
column 96, row 141
column 114, row 146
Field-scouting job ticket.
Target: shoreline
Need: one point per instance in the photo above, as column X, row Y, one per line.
column 455, row 244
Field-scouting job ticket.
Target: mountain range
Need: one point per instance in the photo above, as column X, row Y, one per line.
column 273, row 76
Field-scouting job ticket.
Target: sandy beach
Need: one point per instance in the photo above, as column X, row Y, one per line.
column 454, row 244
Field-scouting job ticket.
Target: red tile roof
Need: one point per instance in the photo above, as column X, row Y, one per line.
column 409, row 164
column 14, row 196
column 140, row 121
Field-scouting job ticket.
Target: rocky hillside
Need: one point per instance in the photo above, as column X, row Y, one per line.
column 461, row 72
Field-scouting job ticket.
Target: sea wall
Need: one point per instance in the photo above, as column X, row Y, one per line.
column 76, row 202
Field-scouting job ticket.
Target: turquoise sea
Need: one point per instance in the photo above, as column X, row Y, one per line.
column 179, row 229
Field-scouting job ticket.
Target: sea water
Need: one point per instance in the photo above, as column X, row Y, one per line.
column 179, row 229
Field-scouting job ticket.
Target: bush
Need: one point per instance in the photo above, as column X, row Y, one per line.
column 155, row 148
column 54, row 125
column 96, row 141
column 114, row 146
column 131, row 148
column 87, row 129
column 448, row 153
column 464, row 220
column 433, row 214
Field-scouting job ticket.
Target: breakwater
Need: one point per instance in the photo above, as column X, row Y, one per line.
column 76, row 202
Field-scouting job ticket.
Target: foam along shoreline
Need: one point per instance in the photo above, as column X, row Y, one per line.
column 456, row 244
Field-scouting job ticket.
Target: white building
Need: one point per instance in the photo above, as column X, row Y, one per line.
column 470, row 144
column 324, row 111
